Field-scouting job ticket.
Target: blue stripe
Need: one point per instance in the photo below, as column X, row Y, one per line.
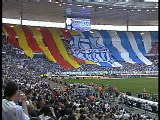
column 77, row 45
column 84, row 42
column 105, row 64
column 100, row 57
column 82, row 46
column 85, row 55
column 103, row 56
column 111, row 61
column 96, row 57
column 126, row 45
column 139, row 41
column 100, row 54
column 108, row 44
column 91, row 56
column 88, row 35
column 154, row 36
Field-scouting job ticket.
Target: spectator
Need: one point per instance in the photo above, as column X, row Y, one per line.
column 11, row 111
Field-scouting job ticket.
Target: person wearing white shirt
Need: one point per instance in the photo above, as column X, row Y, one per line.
column 11, row 111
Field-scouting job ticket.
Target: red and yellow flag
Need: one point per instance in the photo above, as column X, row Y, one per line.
column 30, row 39
column 61, row 48
column 22, row 41
column 49, row 41
column 12, row 36
column 38, row 37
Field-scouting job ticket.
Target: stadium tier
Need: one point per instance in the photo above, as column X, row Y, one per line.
column 101, row 47
column 80, row 60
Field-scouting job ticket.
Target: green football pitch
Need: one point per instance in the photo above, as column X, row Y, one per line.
column 133, row 85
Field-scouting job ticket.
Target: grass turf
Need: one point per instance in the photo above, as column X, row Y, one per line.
column 133, row 85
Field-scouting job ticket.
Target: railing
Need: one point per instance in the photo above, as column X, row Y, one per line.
column 114, row 72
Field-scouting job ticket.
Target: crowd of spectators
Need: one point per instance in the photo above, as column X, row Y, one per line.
column 41, row 102
column 42, row 65
column 44, row 103
column 154, row 49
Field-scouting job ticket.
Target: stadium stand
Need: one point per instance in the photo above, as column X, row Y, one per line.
column 126, row 66
column 80, row 60
column 44, row 102
column 109, row 51
column 154, row 49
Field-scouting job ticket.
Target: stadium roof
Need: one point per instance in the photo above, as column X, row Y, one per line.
column 138, row 13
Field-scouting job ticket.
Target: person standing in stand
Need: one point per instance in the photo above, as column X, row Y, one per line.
column 91, row 99
column 10, row 110
column 99, row 91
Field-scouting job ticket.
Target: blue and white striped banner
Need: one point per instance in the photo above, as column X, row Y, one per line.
column 128, row 47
